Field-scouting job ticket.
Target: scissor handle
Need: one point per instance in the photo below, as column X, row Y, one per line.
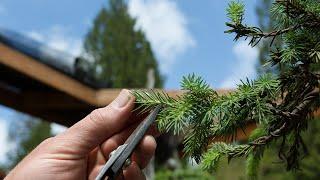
column 112, row 169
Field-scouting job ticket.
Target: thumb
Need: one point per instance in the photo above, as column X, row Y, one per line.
column 98, row 126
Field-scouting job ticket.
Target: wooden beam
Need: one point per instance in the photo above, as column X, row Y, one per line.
column 16, row 101
column 106, row 96
column 45, row 74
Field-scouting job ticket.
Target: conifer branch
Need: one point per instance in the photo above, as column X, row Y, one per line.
column 280, row 106
column 256, row 34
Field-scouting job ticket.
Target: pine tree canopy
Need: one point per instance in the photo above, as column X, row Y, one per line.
column 280, row 105
column 119, row 53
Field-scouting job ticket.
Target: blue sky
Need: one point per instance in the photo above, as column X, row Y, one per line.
column 186, row 36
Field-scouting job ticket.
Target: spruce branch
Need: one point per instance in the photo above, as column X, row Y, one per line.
column 235, row 13
column 219, row 149
column 148, row 99
column 252, row 164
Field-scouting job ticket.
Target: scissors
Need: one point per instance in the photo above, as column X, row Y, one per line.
column 121, row 156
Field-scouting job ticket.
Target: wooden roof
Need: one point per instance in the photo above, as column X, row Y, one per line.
column 30, row 86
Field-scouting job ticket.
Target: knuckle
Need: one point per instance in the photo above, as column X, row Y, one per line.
column 96, row 115
column 96, row 118
column 100, row 115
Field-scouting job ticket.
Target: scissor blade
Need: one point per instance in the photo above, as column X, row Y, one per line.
column 135, row 138
column 140, row 131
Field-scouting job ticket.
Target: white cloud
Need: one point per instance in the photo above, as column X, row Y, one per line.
column 59, row 38
column 165, row 27
column 5, row 145
column 57, row 128
column 244, row 65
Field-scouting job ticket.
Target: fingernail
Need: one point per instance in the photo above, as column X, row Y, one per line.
column 122, row 99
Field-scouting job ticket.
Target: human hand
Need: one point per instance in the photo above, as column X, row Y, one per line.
column 82, row 150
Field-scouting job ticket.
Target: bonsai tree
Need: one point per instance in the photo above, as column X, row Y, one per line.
column 280, row 105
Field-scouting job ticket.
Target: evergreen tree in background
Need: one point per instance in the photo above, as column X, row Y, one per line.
column 281, row 106
column 27, row 134
column 119, row 54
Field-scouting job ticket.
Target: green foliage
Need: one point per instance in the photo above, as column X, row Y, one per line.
column 235, row 12
column 190, row 110
column 269, row 166
column 119, row 54
column 310, row 165
column 280, row 106
column 253, row 162
column 27, row 134
column 254, row 158
column 151, row 98
column 258, row 132
column 193, row 112
column 183, row 174
column 267, row 22
column 213, row 155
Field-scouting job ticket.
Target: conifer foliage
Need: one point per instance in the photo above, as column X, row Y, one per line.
column 119, row 53
column 281, row 106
